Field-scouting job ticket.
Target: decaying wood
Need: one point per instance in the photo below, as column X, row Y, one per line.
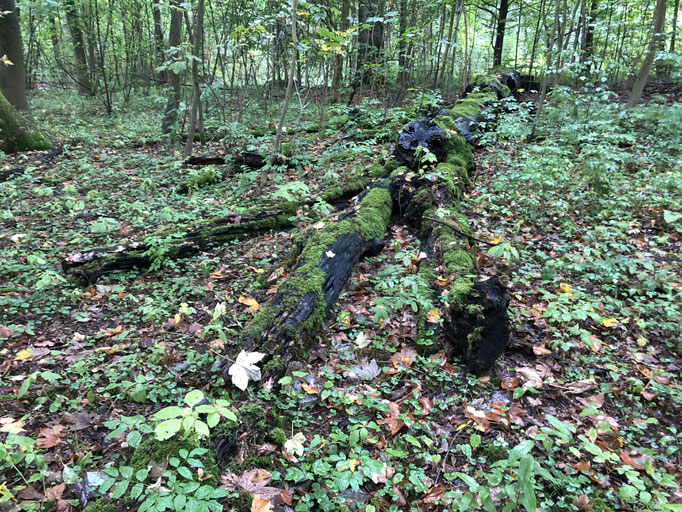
column 141, row 254
column 477, row 317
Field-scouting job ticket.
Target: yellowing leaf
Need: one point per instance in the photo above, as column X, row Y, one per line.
column 496, row 240
column 565, row 288
column 252, row 303
column 11, row 426
column 244, row 369
column 353, row 463
column 259, row 504
column 433, row 316
column 609, row 322
column 295, row 444
column 259, row 270
column 27, row 353
column 4, row 60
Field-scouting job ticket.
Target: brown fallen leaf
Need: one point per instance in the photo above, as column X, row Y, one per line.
column 55, row 493
column 261, row 504
column 581, row 386
column 510, row 383
column 434, row 494
column 533, row 379
column 582, row 502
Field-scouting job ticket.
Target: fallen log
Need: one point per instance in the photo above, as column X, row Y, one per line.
column 11, row 173
column 476, row 321
column 324, row 260
column 156, row 248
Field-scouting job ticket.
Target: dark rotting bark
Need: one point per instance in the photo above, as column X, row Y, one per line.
column 478, row 330
column 425, row 134
column 140, row 254
column 11, row 173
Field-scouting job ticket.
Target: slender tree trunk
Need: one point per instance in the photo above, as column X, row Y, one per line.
column 196, row 89
column 81, row 62
column 640, row 82
column 158, row 39
column 402, row 45
column 588, row 55
column 448, row 43
column 338, row 60
column 290, row 84
column 499, row 32
column 676, row 11
column 12, row 76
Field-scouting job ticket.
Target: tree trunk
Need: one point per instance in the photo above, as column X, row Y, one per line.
column 338, row 60
column 676, row 11
column 73, row 20
column 12, row 76
column 158, row 39
column 371, row 38
column 170, row 117
column 290, row 83
column 499, row 32
column 640, row 82
column 16, row 133
column 196, row 90
column 402, row 46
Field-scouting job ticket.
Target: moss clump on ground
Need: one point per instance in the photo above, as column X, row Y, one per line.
column 274, row 365
column 240, row 503
column 16, row 133
column 158, row 451
column 377, row 170
column 277, row 436
column 100, row 505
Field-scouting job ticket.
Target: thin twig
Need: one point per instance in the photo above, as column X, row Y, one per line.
column 462, row 233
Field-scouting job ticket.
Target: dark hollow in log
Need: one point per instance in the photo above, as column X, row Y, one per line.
column 425, row 134
column 478, row 329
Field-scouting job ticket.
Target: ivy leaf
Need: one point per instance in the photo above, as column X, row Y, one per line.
column 244, row 369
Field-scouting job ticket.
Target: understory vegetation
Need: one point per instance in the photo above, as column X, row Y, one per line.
column 113, row 395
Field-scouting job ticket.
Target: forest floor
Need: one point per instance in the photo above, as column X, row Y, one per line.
column 581, row 413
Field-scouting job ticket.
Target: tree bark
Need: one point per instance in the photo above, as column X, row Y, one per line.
column 502, row 14
column 290, row 83
column 73, row 20
column 158, row 39
column 196, row 89
column 12, row 76
column 657, row 27
column 170, row 117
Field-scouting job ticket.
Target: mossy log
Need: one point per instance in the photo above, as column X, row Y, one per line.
column 476, row 323
column 16, row 133
column 174, row 244
column 324, row 259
